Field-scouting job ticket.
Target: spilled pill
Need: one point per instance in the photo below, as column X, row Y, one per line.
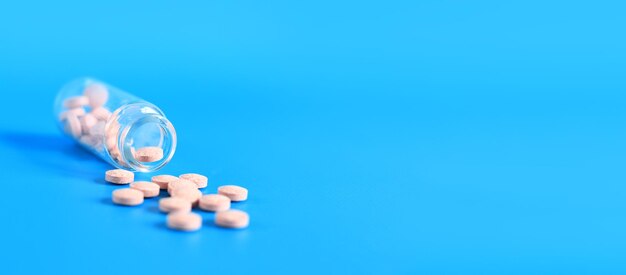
column 127, row 196
column 163, row 180
column 214, row 202
column 234, row 192
column 188, row 194
column 185, row 221
column 200, row 180
column 180, row 184
column 149, row 189
column 173, row 204
column 119, row 176
column 232, row 219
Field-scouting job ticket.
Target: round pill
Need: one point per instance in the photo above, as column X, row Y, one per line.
column 75, row 102
column 232, row 219
column 97, row 95
column 101, row 113
column 149, row 189
column 163, row 180
column 149, row 154
column 190, row 195
column 184, row 221
column 98, row 129
column 214, row 202
column 111, row 142
column 76, row 111
column 200, row 180
column 72, row 126
column 127, row 196
column 173, row 204
column 113, row 128
column 119, row 176
column 111, row 131
column 87, row 122
column 234, row 192
column 180, row 184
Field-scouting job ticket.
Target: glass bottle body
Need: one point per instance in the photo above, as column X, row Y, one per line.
column 124, row 130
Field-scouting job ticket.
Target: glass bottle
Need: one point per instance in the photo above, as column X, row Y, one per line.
column 124, row 130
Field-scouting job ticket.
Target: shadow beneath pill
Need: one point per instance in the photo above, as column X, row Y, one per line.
column 163, row 194
column 100, row 180
column 55, row 153
column 154, row 209
column 194, row 235
column 210, row 222
column 107, row 201
column 161, row 225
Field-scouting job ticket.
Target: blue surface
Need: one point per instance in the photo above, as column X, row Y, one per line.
column 403, row 137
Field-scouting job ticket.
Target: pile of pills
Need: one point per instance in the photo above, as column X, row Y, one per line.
column 185, row 194
column 85, row 116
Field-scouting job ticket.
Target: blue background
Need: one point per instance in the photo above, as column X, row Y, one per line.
column 376, row 137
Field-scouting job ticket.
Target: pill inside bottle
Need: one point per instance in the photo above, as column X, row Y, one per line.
column 121, row 128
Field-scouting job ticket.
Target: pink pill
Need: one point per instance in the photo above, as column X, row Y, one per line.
column 111, row 131
column 149, row 189
column 190, row 195
column 163, row 180
column 119, row 176
column 75, row 102
column 127, row 196
column 173, row 204
column 234, row 192
column 87, row 122
column 101, row 113
column 184, row 221
column 113, row 128
column 72, row 125
column 98, row 129
column 232, row 219
column 200, row 180
column 76, row 111
column 180, row 184
column 149, row 154
column 111, row 143
column 214, row 202
column 97, row 95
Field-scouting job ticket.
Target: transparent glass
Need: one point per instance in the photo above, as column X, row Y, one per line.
column 122, row 129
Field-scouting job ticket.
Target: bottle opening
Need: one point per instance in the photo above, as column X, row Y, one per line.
column 146, row 140
column 148, row 144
